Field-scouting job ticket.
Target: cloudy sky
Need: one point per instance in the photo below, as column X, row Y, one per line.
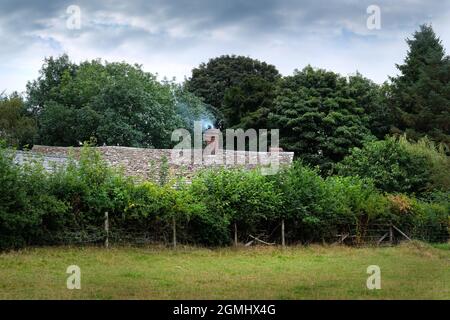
column 170, row 37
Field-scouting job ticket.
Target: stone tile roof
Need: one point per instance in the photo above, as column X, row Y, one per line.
column 48, row 161
column 145, row 163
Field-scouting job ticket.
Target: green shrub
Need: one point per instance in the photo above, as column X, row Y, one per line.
column 420, row 219
column 233, row 196
column 354, row 205
column 318, row 209
column 396, row 165
column 26, row 205
column 15, row 220
column 303, row 191
column 68, row 205
column 440, row 197
column 90, row 187
column 304, row 201
column 431, row 222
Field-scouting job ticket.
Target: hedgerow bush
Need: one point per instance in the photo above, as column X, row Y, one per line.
column 354, row 207
column 305, row 201
column 27, row 206
column 431, row 222
column 317, row 209
column 398, row 165
column 420, row 219
column 438, row 161
column 392, row 166
column 232, row 196
column 68, row 205
column 90, row 188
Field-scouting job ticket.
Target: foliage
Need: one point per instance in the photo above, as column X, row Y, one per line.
column 116, row 103
column 318, row 118
column 45, row 88
column 240, row 88
column 397, row 165
column 17, row 128
column 68, row 205
column 247, row 105
column 239, row 196
column 420, row 94
column 355, row 200
column 373, row 98
column 437, row 161
column 25, row 202
column 90, row 188
column 303, row 191
column 423, row 220
column 321, row 208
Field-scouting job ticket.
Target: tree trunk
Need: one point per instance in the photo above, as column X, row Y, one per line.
column 283, row 242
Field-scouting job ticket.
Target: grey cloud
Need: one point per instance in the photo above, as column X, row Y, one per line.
column 200, row 17
column 182, row 33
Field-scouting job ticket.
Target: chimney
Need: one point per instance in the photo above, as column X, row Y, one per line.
column 272, row 149
column 212, row 138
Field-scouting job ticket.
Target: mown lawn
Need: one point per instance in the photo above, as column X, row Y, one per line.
column 408, row 271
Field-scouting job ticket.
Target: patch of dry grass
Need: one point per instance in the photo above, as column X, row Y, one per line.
column 412, row 271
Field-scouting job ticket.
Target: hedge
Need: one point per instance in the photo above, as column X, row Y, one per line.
column 68, row 205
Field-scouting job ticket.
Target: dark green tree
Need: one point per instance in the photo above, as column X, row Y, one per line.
column 115, row 103
column 17, row 127
column 420, row 95
column 64, row 126
column 47, row 86
column 248, row 104
column 240, row 88
column 396, row 165
column 373, row 99
column 318, row 118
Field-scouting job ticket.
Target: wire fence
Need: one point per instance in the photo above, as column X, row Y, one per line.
column 164, row 233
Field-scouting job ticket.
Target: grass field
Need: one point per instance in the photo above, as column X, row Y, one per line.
column 409, row 271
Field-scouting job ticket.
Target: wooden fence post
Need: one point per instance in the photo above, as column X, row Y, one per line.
column 174, row 232
column 283, row 242
column 235, row 235
column 107, row 229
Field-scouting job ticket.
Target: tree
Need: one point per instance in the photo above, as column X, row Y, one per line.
column 397, row 165
column 248, row 104
column 116, row 103
column 63, row 126
column 318, row 118
column 238, row 87
column 373, row 98
column 51, row 76
column 17, row 128
column 420, row 95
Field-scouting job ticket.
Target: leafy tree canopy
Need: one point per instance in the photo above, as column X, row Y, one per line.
column 397, row 165
column 373, row 99
column 117, row 103
column 421, row 93
column 318, row 117
column 240, row 88
column 16, row 127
